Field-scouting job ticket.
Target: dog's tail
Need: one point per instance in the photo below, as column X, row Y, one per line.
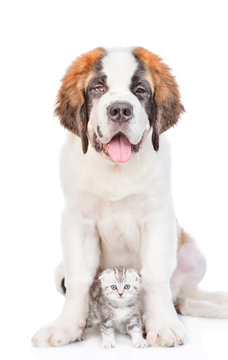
column 204, row 304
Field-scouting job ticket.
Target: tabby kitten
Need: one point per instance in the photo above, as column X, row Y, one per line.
column 113, row 304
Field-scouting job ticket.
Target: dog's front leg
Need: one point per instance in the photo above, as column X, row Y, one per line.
column 158, row 259
column 80, row 258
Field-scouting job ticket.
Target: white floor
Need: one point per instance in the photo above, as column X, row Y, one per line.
column 29, row 300
column 206, row 339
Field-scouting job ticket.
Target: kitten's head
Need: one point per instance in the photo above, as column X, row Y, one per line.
column 120, row 284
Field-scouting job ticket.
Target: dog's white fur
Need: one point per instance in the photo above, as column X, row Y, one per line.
column 122, row 214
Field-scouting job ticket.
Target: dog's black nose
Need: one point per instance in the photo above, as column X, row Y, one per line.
column 120, row 112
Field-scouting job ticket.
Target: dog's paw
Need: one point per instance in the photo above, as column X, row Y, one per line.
column 56, row 336
column 167, row 335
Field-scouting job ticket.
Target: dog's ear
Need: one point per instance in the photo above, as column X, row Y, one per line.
column 71, row 103
column 73, row 114
column 166, row 104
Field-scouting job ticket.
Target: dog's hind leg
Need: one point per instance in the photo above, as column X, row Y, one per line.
column 190, row 269
column 187, row 297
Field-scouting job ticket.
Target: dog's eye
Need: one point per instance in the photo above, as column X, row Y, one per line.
column 140, row 90
column 99, row 89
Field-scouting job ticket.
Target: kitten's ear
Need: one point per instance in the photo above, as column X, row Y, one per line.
column 135, row 273
column 138, row 276
column 101, row 276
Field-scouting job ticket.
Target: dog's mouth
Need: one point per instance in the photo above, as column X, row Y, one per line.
column 119, row 149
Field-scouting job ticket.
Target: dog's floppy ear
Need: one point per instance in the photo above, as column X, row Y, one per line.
column 72, row 114
column 71, row 103
column 166, row 96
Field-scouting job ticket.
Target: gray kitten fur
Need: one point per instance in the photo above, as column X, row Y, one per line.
column 116, row 309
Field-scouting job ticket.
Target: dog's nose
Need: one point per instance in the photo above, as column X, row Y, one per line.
column 120, row 112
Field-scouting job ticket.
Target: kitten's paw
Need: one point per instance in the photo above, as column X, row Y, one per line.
column 108, row 344
column 56, row 335
column 81, row 338
column 140, row 343
column 167, row 335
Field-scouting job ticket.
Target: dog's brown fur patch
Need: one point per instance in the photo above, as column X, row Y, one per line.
column 183, row 238
column 70, row 98
column 167, row 96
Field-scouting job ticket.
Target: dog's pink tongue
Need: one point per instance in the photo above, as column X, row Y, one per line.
column 119, row 149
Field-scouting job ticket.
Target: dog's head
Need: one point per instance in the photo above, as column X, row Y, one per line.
column 112, row 98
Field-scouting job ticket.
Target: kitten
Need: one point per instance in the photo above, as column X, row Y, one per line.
column 113, row 304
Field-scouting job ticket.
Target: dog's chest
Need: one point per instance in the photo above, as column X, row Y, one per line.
column 119, row 233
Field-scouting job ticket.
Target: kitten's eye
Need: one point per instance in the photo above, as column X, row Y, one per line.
column 114, row 287
column 99, row 89
column 126, row 287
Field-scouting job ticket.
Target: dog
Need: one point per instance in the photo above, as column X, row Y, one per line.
column 115, row 173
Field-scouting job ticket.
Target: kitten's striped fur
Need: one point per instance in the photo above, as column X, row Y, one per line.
column 116, row 308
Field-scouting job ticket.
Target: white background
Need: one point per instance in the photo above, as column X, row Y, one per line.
column 39, row 39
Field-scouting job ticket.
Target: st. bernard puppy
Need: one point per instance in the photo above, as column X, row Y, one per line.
column 115, row 170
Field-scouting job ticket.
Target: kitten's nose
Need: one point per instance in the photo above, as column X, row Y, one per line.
column 120, row 294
